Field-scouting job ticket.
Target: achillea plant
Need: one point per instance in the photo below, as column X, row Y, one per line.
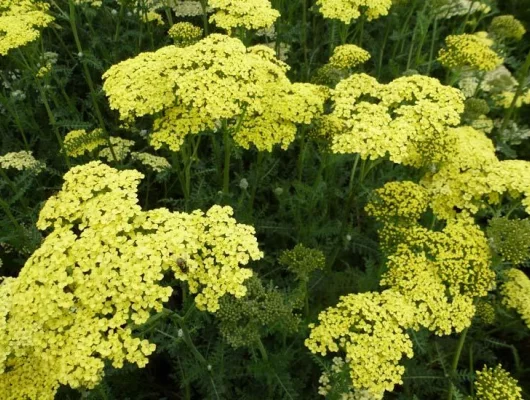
column 467, row 50
column 261, row 106
column 247, row 14
column 495, row 384
column 349, row 10
column 96, row 277
column 395, row 120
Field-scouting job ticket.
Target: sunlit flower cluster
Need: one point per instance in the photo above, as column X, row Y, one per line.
column 248, row 14
column 405, row 119
column 97, row 276
column 472, row 176
column 468, row 50
column 348, row 56
column 20, row 22
column 21, row 160
column 348, row 10
column 369, row 328
column 496, row 384
column 260, row 105
column 440, row 271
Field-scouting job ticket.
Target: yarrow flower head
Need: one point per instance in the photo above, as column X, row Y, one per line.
column 20, row 22
column 156, row 163
column 120, row 149
column 248, row 14
column 516, row 293
column 96, row 278
column 21, row 160
column 348, row 56
column 506, row 27
column 153, row 16
column 348, row 10
column 468, row 50
column 496, row 384
column 450, row 8
column 185, row 33
column 405, row 119
column 260, row 106
column 369, row 328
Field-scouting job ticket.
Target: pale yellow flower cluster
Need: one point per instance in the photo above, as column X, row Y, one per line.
column 370, row 329
column 20, row 22
column 348, row 56
column 153, row 16
column 348, row 10
column 216, row 79
column 120, row 147
column 247, row 14
column 468, row 50
column 21, row 160
column 496, row 384
column 440, row 272
column 516, row 293
column 405, row 120
column 96, row 277
column 156, row 163
column 472, row 176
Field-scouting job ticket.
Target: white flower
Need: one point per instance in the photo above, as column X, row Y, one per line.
column 243, row 184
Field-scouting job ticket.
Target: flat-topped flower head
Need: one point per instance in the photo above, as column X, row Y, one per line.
column 370, row 329
column 21, row 160
column 468, row 50
column 247, row 14
column 97, row 276
column 405, row 120
column 496, row 384
column 510, row 238
column 348, row 56
column 260, row 106
column 349, row 10
column 155, row 163
column 20, row 23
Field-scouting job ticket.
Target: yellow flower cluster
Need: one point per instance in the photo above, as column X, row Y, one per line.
column 187, row 8
column 485, row 312
column 440, row 272
column 248, row 14
column 153, row 16
column 156, row 163
column 185, row 33
column 215, row 79
column 96, row 278
column 496, row 384
column 370, row 329
column 507, row 27
column 473, row 176
column 406, row 119
column 516, row 293
column 21, row 160
column 348, row 10
column 468, row 50
column 348, row 56
column 20, row 22
column 505, row 99
column 120, row 147
column 79, row 142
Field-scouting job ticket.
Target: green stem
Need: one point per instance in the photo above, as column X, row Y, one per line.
column 433, row 41
column 521, row 79
column 226, row 168
column 262, row 350
column 257, row 177
column 204, row 6
column 454, row 364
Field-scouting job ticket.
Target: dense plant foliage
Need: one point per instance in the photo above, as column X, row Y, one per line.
column 264, row 199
